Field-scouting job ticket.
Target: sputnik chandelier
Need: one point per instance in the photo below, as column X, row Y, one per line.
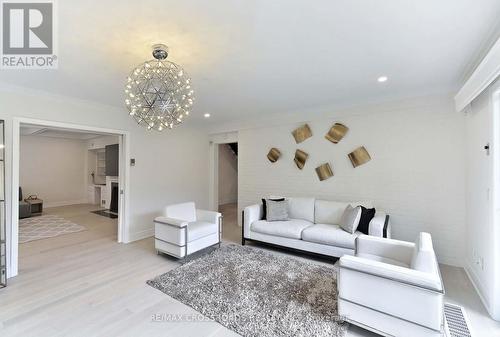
column 158, row 92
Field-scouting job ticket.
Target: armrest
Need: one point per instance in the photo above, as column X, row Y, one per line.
column 208, row 216
column 388, row 248
column 171, row 221
column 251, row 214
column 393, row 273
column 380, row 225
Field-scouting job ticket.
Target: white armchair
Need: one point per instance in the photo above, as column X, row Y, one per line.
column 392, row 287
column 183, row 230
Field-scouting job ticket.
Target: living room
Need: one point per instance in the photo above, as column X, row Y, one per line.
column 368, row 129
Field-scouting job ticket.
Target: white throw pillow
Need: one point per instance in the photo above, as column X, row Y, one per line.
column 350, row 219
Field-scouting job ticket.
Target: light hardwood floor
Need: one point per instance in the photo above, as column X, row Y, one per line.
column 86, row 284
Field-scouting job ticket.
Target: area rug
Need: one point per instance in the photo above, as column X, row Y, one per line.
column 257, row 293
column 45, row 226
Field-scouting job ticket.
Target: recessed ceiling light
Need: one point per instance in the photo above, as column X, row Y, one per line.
column 382, row 79
column 206, row 115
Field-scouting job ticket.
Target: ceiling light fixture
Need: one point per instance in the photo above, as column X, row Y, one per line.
column 382, row 79
column 206, row 115
column 158, row 92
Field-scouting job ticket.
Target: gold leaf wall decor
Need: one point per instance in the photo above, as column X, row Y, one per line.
column 359, row 156
column 300, row 158
column 273, row 155
column 336, row 133
column 324, row 171
column 302, row 133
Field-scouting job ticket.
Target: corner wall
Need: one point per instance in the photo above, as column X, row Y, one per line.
column 54, row 169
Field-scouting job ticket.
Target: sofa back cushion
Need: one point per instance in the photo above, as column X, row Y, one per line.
column 301, row 208
column 185, row 211
column 423, row 258
column 330, row 212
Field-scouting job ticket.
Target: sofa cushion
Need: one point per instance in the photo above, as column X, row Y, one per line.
column 331, row 235
column 200, row 229
column 289, row 229
column 330, row 212
column 185, row 211
column 301, row 208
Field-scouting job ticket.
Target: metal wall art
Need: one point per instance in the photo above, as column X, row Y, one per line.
column 300, row 158
column 273, row 155
column 302, row 133
column 336, row 133
column 324, row 171
column 359, row 156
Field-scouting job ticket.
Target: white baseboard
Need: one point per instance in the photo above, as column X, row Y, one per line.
column 141, row 235
column 477, row 284
column 64, row 203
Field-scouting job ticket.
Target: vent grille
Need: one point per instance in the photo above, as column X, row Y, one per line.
column 456, row 321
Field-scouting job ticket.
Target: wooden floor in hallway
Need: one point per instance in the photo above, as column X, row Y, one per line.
column 87, row 284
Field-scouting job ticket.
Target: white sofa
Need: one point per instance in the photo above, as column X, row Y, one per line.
column 183, row 230
column 312, row 228
column 392, row 287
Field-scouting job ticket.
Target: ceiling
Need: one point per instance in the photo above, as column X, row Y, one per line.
column 249, row 58
column 53, row 132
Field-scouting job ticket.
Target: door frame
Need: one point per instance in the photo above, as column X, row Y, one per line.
column 213, row 167
column 124, row 179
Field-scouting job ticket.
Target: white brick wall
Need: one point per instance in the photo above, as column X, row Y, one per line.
column 416, row 173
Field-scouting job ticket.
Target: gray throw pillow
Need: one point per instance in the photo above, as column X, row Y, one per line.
column 277, row 210
column 350, row 219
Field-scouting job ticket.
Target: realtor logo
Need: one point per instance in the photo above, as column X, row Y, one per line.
column 28, row 35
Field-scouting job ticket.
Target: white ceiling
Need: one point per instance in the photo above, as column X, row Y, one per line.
column 262, row 57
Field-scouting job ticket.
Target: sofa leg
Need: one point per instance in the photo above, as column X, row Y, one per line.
column 242, row 241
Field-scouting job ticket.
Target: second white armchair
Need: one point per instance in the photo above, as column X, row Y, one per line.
column 183, row 230
column 393, row 287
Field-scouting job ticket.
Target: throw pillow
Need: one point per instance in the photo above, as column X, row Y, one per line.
column 277, row 210
column 367, row 215
column 350, row 219
column 264, row 206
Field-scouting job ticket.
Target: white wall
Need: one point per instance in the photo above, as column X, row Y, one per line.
column 482, row 233
column 416, row 174
column 170, row 167
column 54, row 169
column 228, row 175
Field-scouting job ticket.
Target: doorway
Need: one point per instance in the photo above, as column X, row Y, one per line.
column 223, row 186
column 228, row 190
column 121, row 179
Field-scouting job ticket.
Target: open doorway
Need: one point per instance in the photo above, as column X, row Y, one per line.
column 68, row 186
column 68, row 189
column 227, row 201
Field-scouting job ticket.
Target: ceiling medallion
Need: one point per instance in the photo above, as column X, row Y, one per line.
column 159, row 93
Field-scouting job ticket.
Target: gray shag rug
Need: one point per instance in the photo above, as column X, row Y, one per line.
column 257, row 293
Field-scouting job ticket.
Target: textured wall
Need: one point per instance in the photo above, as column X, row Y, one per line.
column 416, row 173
